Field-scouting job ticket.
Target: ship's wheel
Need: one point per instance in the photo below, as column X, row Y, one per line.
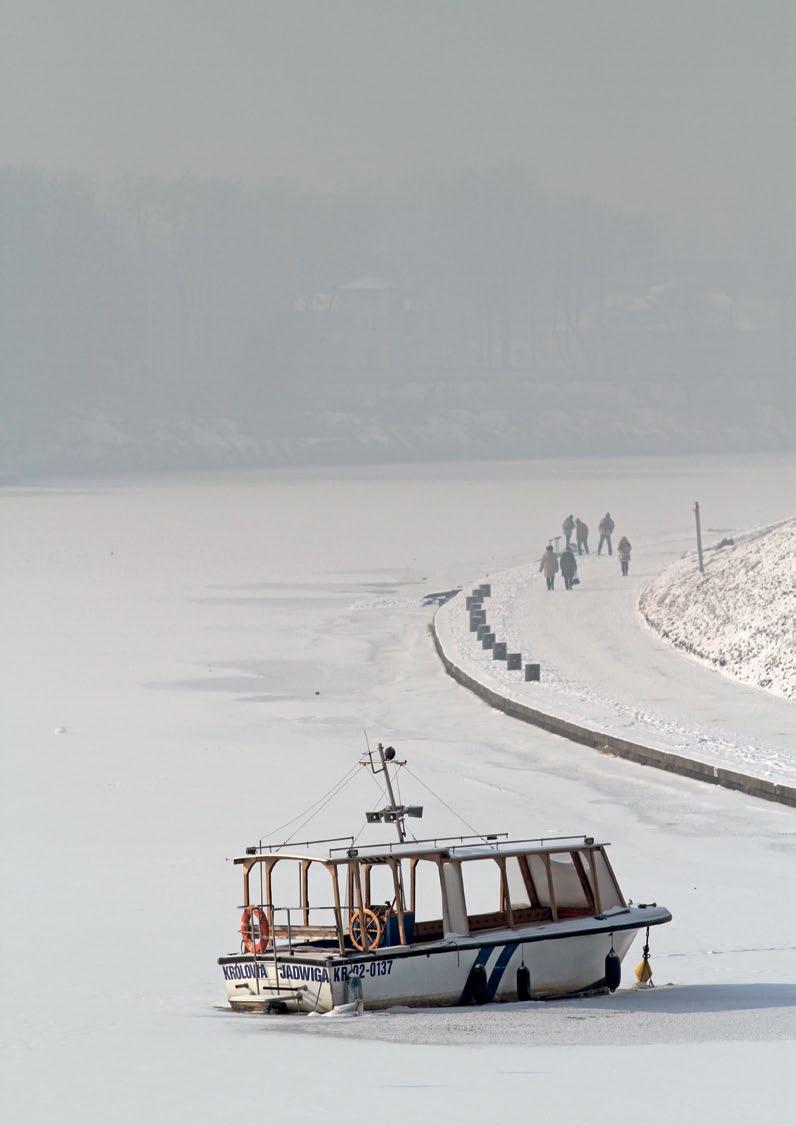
column 365, row 929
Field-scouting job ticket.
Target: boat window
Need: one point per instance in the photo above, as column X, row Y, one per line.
column 378, row 886
column 539, row 875
column 427, row 894
column 455, row 920
column 320, row 895
column 610, row 895
column 288, row 897
column 517, row 889
column 285, row 887
column 257, row 884
column 481, row 886
column 569, row 891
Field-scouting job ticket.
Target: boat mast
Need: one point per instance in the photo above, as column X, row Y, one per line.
column 398, row 810
column 394, row 812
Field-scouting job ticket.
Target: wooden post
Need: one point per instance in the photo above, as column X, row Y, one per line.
column 588, row 891
column 597, row 897
column 269, row 864
column 699, row 537
column 530, row 886
column 612, row 874
column 305, row 891
column 505, row 894
column 399, row 900
column 446, row 915
column 338, row 914
column 550, row 889
column 361, row 904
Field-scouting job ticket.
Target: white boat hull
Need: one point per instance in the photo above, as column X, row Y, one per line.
column 563, row 959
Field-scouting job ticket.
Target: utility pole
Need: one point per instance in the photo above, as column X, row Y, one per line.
column 699, row 537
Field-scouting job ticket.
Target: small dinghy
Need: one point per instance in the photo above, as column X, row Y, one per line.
column 336, row 925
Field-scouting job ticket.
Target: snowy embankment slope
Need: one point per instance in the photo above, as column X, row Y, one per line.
column 738, row 616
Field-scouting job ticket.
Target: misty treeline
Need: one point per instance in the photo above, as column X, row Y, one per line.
column 149, row 324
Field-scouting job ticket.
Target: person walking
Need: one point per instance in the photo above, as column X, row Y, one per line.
column 606, row 530
column 623, row 548
column 569, row 567
column 582, row 536
column 568, row 527
column 549, row 565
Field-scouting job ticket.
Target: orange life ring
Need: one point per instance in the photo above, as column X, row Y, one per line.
column 254, row 920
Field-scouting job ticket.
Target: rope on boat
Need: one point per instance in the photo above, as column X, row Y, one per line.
column 448, row 807
column 644, row 969
column 364, row 825
column 351, row 775
column 320, row 802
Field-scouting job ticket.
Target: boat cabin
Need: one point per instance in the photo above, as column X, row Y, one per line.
column 360, row 900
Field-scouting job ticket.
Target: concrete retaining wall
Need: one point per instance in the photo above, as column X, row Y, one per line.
column 622, row 748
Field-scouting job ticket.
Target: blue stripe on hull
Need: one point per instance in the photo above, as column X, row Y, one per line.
column 496, row 976
column 481, row 959
column 499, row 968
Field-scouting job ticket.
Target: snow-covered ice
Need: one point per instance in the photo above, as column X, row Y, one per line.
column 214, row 647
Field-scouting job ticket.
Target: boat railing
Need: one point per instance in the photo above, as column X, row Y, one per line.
column 392, row 846
column 495, row 841
column 260, row 847
column 291, row 930
column 541, row 841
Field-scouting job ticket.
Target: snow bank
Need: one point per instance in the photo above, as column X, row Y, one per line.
column 739, row 614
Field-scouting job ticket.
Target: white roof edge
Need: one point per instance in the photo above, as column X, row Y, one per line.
column 460, row 852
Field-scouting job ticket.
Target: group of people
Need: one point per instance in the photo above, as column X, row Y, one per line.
column 551, row 563
column 580, row 529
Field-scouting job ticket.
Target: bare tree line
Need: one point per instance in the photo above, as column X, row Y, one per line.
column 281, row 309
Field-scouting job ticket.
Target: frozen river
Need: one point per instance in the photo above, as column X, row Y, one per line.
column 188, row 662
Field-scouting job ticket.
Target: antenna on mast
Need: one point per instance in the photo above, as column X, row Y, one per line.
column 394, row 813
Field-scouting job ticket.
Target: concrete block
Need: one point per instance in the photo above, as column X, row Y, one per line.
column 481, row 631
column 488, row 640
column 533, row 672
column 485, row 590
column 499, row 651
column 514, row 660
column 473, row 602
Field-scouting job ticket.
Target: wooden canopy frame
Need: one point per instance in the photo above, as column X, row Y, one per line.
column 358, row 869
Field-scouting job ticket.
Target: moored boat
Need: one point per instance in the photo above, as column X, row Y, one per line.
column 438, row 921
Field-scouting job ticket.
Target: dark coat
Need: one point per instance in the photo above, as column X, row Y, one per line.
column 568, row 565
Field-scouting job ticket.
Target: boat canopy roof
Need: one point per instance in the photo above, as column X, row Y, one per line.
column 435, row 849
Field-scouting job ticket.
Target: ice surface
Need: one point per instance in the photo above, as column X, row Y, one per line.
column 164, row 624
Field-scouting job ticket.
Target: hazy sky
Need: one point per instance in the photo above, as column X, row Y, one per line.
column 685, row 105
